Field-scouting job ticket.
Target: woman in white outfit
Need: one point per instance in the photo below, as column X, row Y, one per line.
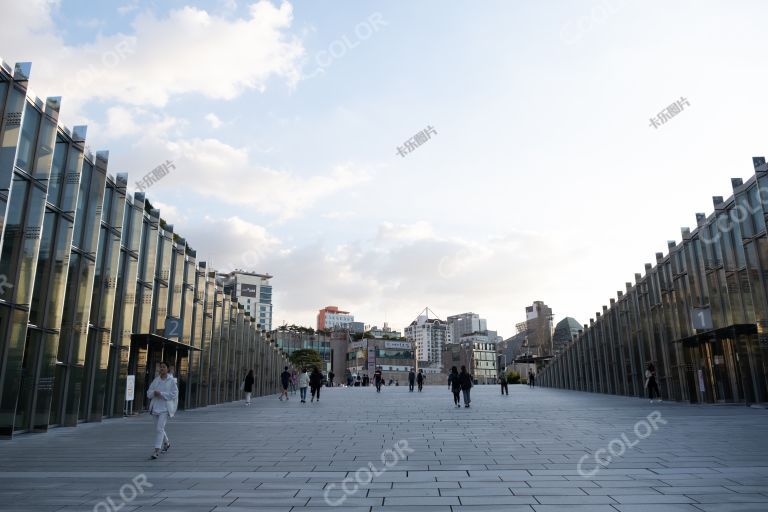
column 164, row 394
column 303, row 384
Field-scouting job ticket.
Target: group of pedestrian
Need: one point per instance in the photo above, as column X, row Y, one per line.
column 460, row 382
column 312, row 380
column 415, row 378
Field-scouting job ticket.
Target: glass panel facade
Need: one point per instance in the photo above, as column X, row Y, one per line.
column 700, row 315
column 92, row 273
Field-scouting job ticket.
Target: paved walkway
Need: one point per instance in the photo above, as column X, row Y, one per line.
column 515, row 453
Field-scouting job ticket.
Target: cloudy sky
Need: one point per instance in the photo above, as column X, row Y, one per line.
column 545, row 179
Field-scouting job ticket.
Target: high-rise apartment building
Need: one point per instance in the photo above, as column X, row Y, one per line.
column 254, row 292
column 331, row 317
column 465, row 323
column 428, row 336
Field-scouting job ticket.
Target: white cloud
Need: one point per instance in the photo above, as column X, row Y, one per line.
column 120, row 122
column 213, row 119
column 188, row 51
column 212, row 168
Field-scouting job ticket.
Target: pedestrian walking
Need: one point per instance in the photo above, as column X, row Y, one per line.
column 303, row 384
column 465, row 379
column 411, row 379
column 285, row 381
column 331, row 375
column 504, row 384
column 350, row 379
column 420, row 379
column 294, row 382
column 164, row 395
column 377, row 379
column 248, row 387
column 366, row 380
column 531, row 379
column 315, row 382
column 455, row 385
column 650, row 383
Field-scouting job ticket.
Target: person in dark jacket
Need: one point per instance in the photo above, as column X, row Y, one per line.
column 315, row 383
column 285, row 381
column 455, row 386
column 377, row 379
column 420, row 379
column 248, row 387
column 650, row 382
column 411, row 379
column 465, row 380
column 504, row 384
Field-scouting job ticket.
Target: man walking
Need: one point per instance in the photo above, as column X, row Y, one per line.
column 285, row 381
column 420, row 379
column 330, row 379
column 377, row 378
column 504, row 384
column 411, row 379
column 465, row 379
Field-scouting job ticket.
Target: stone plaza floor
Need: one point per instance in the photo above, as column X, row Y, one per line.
column 520, row 452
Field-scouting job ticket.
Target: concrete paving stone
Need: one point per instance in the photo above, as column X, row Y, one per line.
column 573, row 508
column 664, row 507
column 651, row 498
column 477, row 491
column 513, row 454
column 731, row 498
column 408, row 508
column 732, row 507
column 497, row 500
column 574, row 500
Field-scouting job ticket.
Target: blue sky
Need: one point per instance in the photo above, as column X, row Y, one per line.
column 545, row 180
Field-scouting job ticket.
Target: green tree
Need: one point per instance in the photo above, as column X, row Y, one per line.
column 513, row 377
column 307, row 358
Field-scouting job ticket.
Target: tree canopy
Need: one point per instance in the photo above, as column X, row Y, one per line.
column 307, row 358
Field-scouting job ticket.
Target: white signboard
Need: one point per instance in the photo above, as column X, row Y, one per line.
column 130, row 387
column 358, row 344
column 397, row 344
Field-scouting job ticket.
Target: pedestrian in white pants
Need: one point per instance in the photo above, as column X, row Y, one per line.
column 164, row 395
